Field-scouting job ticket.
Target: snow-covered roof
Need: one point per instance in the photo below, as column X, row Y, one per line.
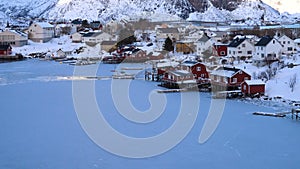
column 254, row 82
column 167, row 64
column 264, row 41
column 180, row 73
column 189, row 63
column 44, row 24
column 236, row 42
column 17, row 32
column 187, row 81
column 223, row 73
column 297, row 40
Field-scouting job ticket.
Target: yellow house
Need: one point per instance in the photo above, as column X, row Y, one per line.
column 41, row 32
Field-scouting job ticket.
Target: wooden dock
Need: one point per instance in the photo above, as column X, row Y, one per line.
column 171, row 90
column 270, row 114
column 294, row 113
column 11, row 57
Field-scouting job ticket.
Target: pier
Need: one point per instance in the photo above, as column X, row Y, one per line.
column 294, row 114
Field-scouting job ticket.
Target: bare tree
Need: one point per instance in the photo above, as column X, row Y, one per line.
column 293, row 82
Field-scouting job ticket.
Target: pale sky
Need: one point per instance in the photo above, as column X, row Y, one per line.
column 291, row 6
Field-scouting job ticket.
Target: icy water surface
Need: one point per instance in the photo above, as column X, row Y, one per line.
column 39, row 128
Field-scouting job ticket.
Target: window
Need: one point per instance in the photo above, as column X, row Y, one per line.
column 222, row 53
column 283, row 42
column 243, row 45
column 246, row 78
column 234, row 80
column 225, row 80
column 234, row 52
column 262, row 55
column 239, row 51
column 245, row 87
column 290, row 49
column 273, row 41
column 249, row 52
column 198, row 69
column 230, row 52
column 288, row 42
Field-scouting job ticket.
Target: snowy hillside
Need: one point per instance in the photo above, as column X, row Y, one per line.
column 105, row 10
column 26, row 8
column 117, row 9
column 250, row 11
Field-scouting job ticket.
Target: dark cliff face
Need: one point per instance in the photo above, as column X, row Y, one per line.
column 202, row 5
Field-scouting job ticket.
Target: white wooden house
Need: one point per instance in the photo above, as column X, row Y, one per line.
column 13, row 37
column 41, row 32
column 203, row 44
column 163, row 33
column 267, row 49
column 96, row 37
column 240, row 48
column 77, row 37
column 289, row 46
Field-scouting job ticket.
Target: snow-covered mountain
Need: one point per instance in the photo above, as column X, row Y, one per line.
column 115, row 9
column 252, row 11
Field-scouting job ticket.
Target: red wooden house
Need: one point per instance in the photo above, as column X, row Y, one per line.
column 5, row 50
column 252, row 87
column 164, row 66
column 220, row 50
column 230, row 78
column 197, row 69
column 178, row 79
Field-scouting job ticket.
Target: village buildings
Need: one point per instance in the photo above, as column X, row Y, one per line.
column 40, row 32
column 288, row 45
column 267, row 49
column 240, row 48
column 229, row 78
column 13, row 37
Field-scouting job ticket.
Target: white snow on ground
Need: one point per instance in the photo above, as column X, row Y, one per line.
column 278, row 85
column 64, row 43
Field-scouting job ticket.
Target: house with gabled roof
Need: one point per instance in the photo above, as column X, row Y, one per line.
column 13, row 37
column 220, row 49
column 164, row 33
column 178, row 79
column 41, row 32
column 240, row 48
column 288, row 45
column 253, row 87
column 93, row 38
column 230, row 78
column 267, row 49
column 203, row 44
column 197, row 69
column 185, row 47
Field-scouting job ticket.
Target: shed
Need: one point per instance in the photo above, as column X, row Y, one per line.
column 251, row 87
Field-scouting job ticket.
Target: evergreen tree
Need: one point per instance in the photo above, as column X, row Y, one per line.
column 168, row 46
